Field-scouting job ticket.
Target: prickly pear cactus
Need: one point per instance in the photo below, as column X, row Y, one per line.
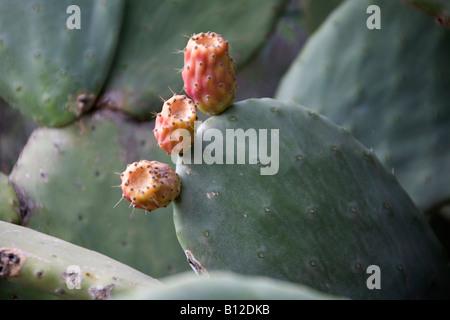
column 321, row 217
column 230, row 286
column 30, row 258
column 52, row 73
column 145, row 67
column 388, row 87
column 72, row 176
column 13, row 291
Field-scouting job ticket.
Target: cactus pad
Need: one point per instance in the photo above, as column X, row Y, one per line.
column 72, row 176
column 327, row 214
column 52, row 73
column 230, row 286
column 31, row 258
column 9, row 203
column 388, row 87
column 146, row 63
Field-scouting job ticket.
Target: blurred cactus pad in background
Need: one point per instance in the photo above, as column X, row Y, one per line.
column 354, row 96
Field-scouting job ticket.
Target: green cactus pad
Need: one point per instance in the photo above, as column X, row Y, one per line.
column 14, row 291
column 229, row 286
column 34, row 259
column 388, row 87
column 329, row 212
column 147, row 61
column 52, row 73
column 72, row 176
column 9, row 203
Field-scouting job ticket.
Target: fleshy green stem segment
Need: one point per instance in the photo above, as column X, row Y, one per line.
column 55, row 266
column 328, row 213
column 231, row 286
column 396, row 102
column 9, row 203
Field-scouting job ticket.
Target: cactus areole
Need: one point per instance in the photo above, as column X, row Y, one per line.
column 179, row 112
column 150, row 185
column 209, row 73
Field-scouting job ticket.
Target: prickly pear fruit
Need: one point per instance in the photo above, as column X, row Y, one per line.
column 179, row 112
column 150, row 185
column 209, row 73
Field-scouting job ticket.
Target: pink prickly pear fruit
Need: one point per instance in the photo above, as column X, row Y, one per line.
column 179, row 112
column 150, row 185
column 209, row 73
